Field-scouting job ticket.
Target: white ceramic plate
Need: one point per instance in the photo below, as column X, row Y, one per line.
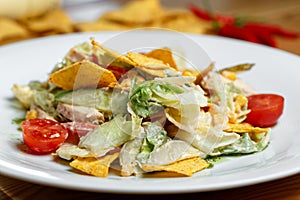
column 275, row 71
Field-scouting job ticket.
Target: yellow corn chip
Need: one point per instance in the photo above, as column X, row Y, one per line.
column 162, row 174
column 245, row 128
column 183, row 21
column 149, row 65
column 83, row 74
column 145, row 61
column 190, row 72
column 136, row 12
column 185, row 167
column 55, row 20
column 101, row 25
column 113, row 57
column 163, row 54
column 95, row 166
column 31, row 114
column 11, row 29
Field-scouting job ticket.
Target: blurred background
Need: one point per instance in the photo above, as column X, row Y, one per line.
column 269, row 22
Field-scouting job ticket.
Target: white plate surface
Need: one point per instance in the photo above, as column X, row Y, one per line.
column 275, row 71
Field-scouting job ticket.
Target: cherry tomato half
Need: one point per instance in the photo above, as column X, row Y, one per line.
column 43, row 135
column 117, row 71
column 265, row 109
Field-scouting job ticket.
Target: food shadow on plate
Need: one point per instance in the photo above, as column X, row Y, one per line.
column 15, row 104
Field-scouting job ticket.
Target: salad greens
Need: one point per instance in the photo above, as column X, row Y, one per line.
column 151, row 116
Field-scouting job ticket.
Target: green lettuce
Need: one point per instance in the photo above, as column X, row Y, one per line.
column 154, row 138
column 244, row 145
column 107, row 101
column 149, row 97
column 110, row 135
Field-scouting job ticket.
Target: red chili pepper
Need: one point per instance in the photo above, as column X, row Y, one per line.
column 117, row 71
column 228, row 26
column 262, row 33
column 229, row 30
column 202, row 14
column 225, row 19
column 285, row 33
column 272, row 29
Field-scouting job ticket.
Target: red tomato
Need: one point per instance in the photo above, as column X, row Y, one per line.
column 265, row 109
column 117, row 71
column 43, row 135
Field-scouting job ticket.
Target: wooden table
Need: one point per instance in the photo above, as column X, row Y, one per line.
column 284, row 13
column 283, row 189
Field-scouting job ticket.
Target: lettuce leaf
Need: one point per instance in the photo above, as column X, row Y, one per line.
column 107, row 101
column 128, row 155
column 244, row 145
column 154, row 138
column 172, row 151
column 149, row 97
column 206, row 138
column 109, row 135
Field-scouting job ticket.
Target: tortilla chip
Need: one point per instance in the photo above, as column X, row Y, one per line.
column 185, row 167
column 162, row 174
column 83, row 74
column 31, row 114
column 101, row 25
column 145, row 61
column 11, row 29
column 245, row 128
column 136, row 12
column 163, row 54
column 95, row 166
column 183, row 21
column 190, row 72
column 55, row 20
column 149, row 65
column 112, row 57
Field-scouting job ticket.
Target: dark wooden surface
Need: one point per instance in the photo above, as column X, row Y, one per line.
column 283, row 189
column 285, row 14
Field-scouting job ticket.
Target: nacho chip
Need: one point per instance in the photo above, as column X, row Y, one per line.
column 145, row 61
column 101, row 25
column 245, row 128
column 95, row 166
column 149, row 65
column 183, row 21
column 163, row 54
column 112, row 57
column 53, row 21
column 31, row 114
column 83, row 74
column 136, row 12
column 185, row 167
column 10, row 29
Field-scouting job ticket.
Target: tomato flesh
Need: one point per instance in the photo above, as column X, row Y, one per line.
column 117, row 71
column 265, row 109
column 43, row 135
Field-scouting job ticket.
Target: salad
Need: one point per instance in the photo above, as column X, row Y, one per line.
column 141, row 112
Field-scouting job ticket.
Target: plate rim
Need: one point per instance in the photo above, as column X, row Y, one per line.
column 290, row 172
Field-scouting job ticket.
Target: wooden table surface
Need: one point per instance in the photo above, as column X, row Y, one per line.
column 284, row 13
